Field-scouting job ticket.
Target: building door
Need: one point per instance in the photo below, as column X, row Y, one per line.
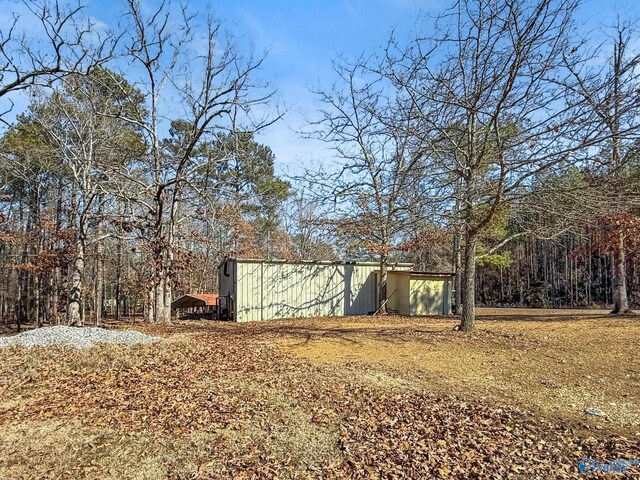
column 427, row 297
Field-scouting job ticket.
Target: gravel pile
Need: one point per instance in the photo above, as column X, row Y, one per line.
column 75, row 337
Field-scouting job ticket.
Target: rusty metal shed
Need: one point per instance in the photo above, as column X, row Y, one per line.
column 192, row 300
column 196, row 305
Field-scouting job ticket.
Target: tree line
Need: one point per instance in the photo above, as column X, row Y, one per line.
column 98, row 182
column 500, row 144
column 503, row 125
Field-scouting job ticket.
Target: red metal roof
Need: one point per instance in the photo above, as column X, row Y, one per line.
column 195, row 300
column 209, row 298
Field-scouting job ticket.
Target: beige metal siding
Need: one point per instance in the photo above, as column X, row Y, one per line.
column 248, row 291
column 359, row 289
column 403, row 294
column 298, row 290
column 393, row 301
column 429, row 296
column 272, row 290
column 398, row 293
column 447, row 297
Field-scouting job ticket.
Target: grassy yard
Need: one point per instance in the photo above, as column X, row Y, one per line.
column 359, row 397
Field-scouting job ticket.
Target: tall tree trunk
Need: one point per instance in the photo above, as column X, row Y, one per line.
column 168, row 294
column 469, row 284
column 158, row 309
column 148, row 309
column 21, row 304
column 74, row 303
column 22, row 312
column 118, row 277
column 98, row 304
column 3, row 289
column 457, row 269
column 56, row 280
column 37, row 311
column 38, row 280
column 99, row 285
column 621, row 304
column 382, row 285
column 55, row 296
column 22, row 307
column 457, row 252
column 619, row 277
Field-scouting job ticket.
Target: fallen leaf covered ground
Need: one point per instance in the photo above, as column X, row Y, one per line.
column 358, row 397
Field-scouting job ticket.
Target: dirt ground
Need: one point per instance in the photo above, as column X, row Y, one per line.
column 357, row 397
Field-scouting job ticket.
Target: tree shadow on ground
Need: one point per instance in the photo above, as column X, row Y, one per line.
column 559, row 318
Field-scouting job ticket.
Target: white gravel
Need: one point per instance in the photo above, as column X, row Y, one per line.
column 75, row 337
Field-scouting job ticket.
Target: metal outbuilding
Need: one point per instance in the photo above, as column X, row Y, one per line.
column 254, row 289
column 197, row 303
column 419, row 293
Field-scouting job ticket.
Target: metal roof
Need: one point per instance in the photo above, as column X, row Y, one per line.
column 313, row 262
column 433, row 274
column 195, row 300
column 419, row 273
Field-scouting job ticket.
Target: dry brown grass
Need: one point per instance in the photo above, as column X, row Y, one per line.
column 560, row 367
column 56, row 449
column 313, row 398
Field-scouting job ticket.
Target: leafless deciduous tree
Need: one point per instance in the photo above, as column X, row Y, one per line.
column 612, row 95
column 375, row 189
column 310, row 232
column 207, row 89
column 490, row 113
column 61, row 40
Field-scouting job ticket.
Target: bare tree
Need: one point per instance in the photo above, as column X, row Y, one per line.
column 612, row 94
column 376, row 185
column 310, row 231
column 206, row 90
column 61, row 40
column 88, row 142
column 490, row 114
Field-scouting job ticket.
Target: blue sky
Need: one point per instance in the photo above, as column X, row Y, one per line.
column 304, row 36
